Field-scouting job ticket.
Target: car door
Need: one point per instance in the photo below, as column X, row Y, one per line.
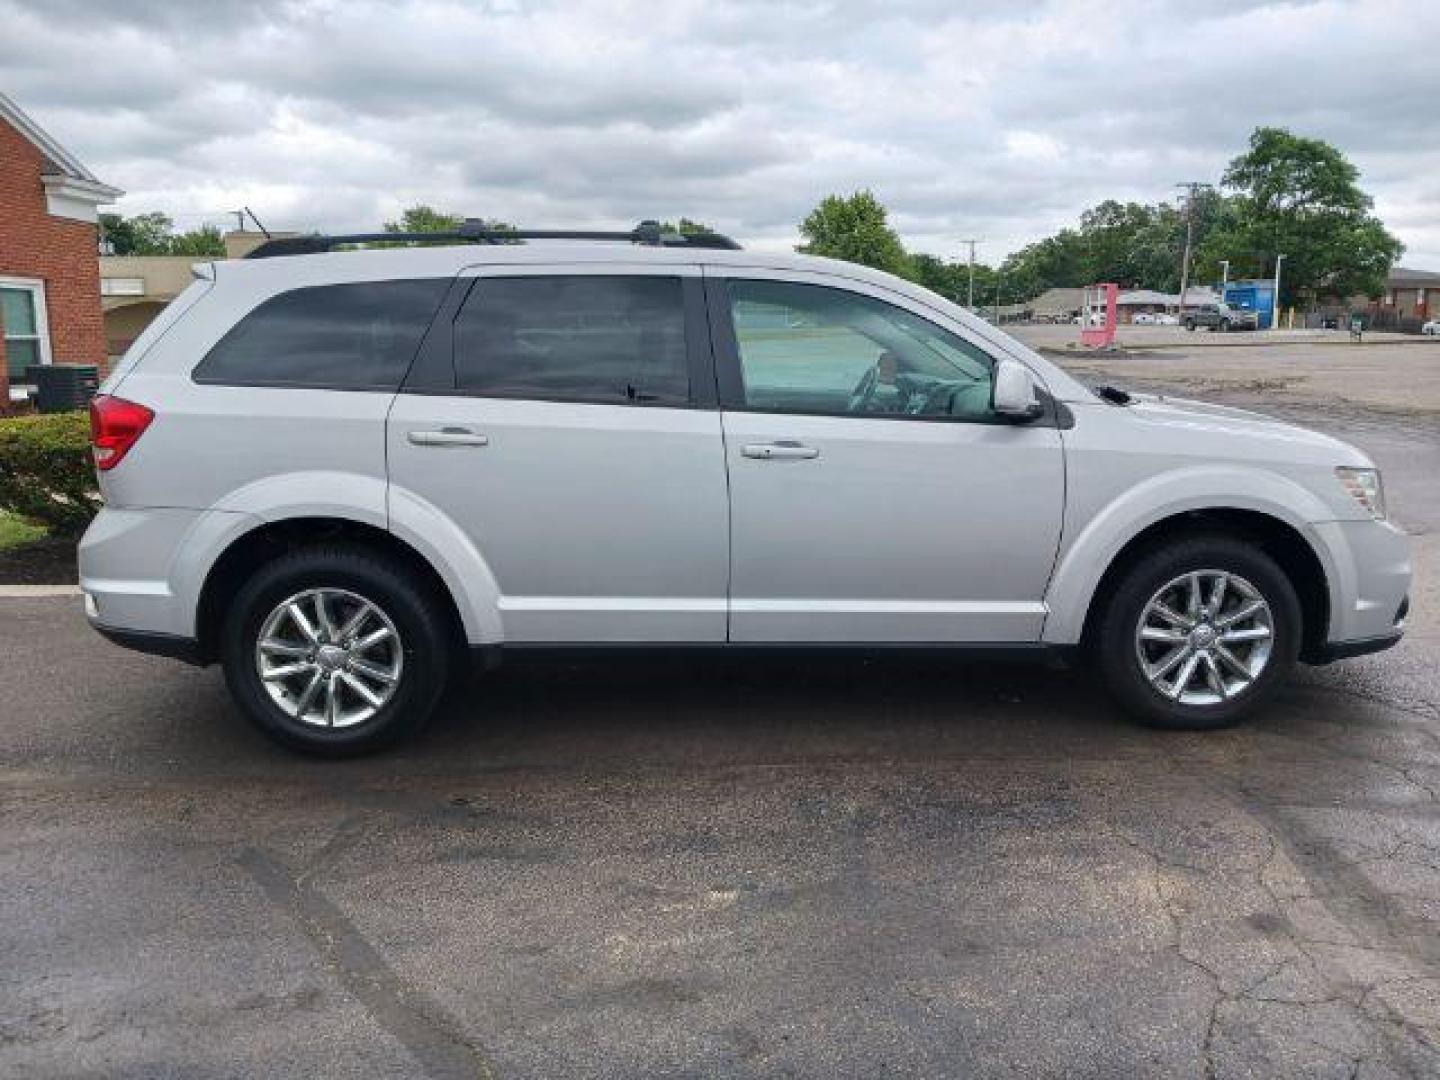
column 874, row 497
column 565, row 420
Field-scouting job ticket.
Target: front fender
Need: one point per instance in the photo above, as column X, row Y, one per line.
column 1085, row 558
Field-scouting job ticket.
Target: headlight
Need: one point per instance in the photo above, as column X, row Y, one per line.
column 1365, row 488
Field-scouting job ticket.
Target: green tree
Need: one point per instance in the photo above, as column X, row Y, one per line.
column 1055, row 262
column 141, row 234
column 952, row 279
column 854, row 228
column 1135, row 245
column 421, row 218
column 426, row 219
column 1301, row 197
column 154, row 234
column 1111, row 242
column 686, row 227
column 206, row 240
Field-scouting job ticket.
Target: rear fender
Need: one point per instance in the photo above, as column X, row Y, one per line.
column 372, row 501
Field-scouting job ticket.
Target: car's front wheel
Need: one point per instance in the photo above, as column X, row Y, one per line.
column 336, row 650
column 1198, row 633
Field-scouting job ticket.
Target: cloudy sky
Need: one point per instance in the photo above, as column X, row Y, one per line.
column 999, row 119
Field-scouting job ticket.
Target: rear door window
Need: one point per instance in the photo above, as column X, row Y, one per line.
column 588, row 338
column 358, row 336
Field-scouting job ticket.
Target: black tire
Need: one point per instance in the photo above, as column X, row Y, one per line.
column 1225, row 326
column 1190, row 325
column 1114, row 633
column 418, row 615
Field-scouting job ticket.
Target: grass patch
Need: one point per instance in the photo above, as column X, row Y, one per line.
column 16, row 532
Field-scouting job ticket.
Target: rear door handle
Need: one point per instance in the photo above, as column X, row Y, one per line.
column 450, row 436
column 781, row 448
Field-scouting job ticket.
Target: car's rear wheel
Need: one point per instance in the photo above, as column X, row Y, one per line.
column 1198, row 633
column 336, row 650
column 1190, row 325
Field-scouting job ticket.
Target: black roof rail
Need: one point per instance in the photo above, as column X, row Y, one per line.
column 475, row 231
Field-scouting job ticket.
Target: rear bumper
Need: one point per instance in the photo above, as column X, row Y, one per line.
column 142, row 570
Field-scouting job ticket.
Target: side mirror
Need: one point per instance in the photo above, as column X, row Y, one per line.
column 1012, row 391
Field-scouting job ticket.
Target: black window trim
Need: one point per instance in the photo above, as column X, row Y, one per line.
column 350, row 388
column 730, row 382
column 434, row 373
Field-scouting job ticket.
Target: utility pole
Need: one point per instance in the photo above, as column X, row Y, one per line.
column 1275, row 304
column 1224, row 276
column 970, row 295
column 1191, row 188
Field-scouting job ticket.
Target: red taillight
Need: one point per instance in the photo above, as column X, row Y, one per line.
column 115, row 424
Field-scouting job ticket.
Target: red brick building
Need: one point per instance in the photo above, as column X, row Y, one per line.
column 49, row 260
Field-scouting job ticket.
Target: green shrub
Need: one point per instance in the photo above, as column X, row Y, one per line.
column 47, row 475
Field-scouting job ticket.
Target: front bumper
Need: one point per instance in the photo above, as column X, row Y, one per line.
column 1370, row 577
column 172, row 646
column 1344, row 650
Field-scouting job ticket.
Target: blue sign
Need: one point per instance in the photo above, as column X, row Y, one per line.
column 1257, row 294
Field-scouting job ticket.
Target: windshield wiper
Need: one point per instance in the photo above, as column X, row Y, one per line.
column 1114, row 395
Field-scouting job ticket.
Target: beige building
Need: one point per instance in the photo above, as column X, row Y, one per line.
column 136, row 288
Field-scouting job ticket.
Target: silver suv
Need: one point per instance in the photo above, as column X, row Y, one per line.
column 336, row 472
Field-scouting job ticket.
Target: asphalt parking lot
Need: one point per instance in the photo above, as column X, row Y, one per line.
column 701, row 866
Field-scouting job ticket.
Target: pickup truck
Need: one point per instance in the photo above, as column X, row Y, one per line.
column 1221, row 317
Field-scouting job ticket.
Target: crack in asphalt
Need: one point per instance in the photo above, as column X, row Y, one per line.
column 411, row 1016
column 1409, row 1045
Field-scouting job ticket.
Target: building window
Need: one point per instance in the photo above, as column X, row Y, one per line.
column 22, row 314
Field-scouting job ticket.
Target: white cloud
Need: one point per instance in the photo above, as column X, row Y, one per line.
column 992, row 118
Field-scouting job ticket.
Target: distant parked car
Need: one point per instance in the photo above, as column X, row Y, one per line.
column 1164, row 318
column 1144, row 318
column 1431, row 328
column 1221, row 317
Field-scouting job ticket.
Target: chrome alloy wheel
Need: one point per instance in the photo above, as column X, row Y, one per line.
column 329, row 658
column 1204, row 637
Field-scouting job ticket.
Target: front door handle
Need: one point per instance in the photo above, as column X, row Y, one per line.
column 781, row 448
column 450, row 436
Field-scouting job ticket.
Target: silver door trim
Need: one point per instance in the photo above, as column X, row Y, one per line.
column 893, row 607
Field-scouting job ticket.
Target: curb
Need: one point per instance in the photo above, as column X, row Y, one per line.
column 16, row 592
column 1071, row 349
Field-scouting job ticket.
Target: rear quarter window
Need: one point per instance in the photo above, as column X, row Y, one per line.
column 358, row 336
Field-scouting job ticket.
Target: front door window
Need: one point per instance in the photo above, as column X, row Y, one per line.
column 815, row 349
